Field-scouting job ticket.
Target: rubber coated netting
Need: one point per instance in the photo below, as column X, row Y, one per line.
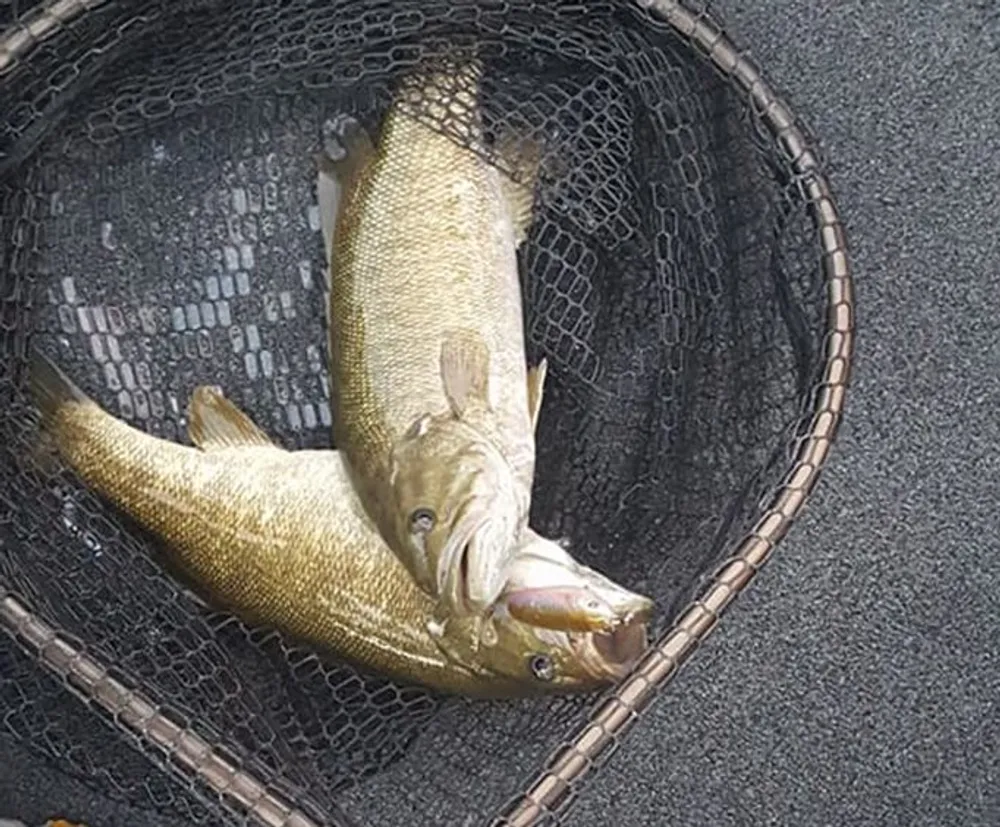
column 159, row 230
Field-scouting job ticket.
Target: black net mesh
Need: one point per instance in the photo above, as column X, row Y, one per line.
column 159, row 230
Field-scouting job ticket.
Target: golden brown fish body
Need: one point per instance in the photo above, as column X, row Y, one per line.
column 281, row 539
column 430, row 382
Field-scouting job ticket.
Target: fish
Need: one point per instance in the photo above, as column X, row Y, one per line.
column 433, row 402
column 280, row 538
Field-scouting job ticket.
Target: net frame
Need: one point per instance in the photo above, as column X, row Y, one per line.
column 550, row 793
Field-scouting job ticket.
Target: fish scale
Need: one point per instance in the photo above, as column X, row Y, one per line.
column 424, row 256
column 281, row 539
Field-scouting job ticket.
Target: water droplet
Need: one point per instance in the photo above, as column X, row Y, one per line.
column 250, row 363
column 212, row 287
column 240, row 200
column 305, row 274
column 177, row 319
column 243, row 283
column 107, row 236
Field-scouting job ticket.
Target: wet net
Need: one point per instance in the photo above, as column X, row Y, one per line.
column 159, row 230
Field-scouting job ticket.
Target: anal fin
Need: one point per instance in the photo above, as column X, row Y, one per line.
column 215, row 423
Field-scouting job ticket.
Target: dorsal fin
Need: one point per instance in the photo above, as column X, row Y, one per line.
column 215, row 423
column 465, row 371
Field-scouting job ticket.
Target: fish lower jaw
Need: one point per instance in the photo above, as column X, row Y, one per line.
column 610, row 656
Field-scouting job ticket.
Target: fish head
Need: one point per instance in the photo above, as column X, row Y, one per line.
column 459, row 511
column 546, row 587
column 545, row 660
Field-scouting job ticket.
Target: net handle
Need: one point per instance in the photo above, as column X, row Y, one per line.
column 554, row 788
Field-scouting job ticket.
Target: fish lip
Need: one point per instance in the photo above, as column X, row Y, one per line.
column 636, row 609
column 611, row 655
column 626, row 605
column 450, row 564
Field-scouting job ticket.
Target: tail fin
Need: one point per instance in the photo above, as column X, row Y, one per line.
column 337, row 177
column 51, row 390
column 50, row 387
column 523, row 158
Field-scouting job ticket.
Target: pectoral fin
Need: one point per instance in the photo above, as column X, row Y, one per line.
column 50, row 387
column 536, row 385
column 215, row 423
column 465, row 371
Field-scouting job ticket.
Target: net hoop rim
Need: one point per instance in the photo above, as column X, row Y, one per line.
column 552, row 789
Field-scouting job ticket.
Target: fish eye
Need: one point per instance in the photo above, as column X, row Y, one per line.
column 422, row 520
column 542, row 667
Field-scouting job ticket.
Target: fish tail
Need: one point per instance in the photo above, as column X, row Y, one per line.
column 52, row 389
column 522, row 157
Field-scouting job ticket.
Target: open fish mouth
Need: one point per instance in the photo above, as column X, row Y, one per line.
column 610, row 655
column 453, row 567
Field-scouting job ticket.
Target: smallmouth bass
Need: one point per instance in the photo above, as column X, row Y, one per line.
column 281, row 539
column 433, row 403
